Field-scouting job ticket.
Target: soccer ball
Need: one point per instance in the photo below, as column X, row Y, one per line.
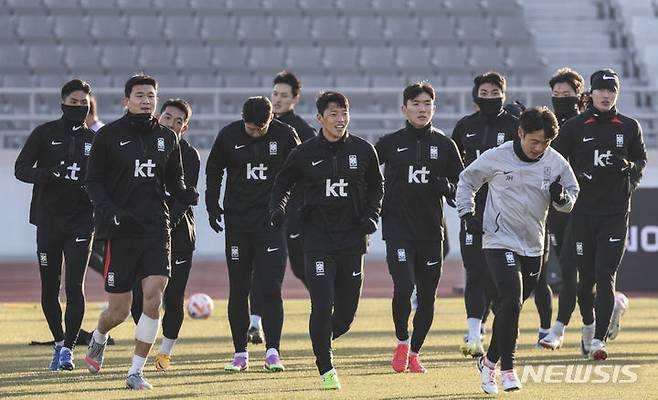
column 200, row 306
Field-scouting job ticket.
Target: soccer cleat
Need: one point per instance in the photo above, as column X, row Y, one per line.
column 552, row 341
column 540, row 336
column 94, row 357
column 415, row 366
column 254, row 335
column 597, row 350
column 487, row 375
column 511, row 382
column 586, row 340
column 66, row 360
column 54, row 363
column 162, row 362
column 400, row 360
column 472, row 347
column 137, row 382
column 273, row 364
column 621, row 305
column 238, row 364
column 329, row 381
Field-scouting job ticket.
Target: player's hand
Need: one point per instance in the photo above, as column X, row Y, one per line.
column 473, row 224
column 368, row 225
column 557, row 192
column 620, row 163
column 277, row 216
column 189, row 196
column 215, row 219
column 445, row 187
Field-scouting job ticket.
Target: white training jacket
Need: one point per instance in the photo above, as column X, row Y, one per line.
column 518, row 198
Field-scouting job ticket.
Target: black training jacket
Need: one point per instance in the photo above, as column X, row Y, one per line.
column 133, row 163
column 58, row 196
column 589, row 141
column 476, row 133
column 183, row 234
column 414, row 159
column 341, row 185
column 305, row 132
column 251, row 166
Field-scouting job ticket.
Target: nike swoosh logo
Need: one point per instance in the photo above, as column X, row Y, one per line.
column 470, row 134
column 588, row 176
column 179, row 262
column 239, row 146
column 606, row 77
column 271, row 249
column 614, row 240
column 295, row 235
column 314, row 163
column 54, row 143
column 75, row 128
column 78, row 240
column 124, row 143
column 430, row 263
column 116, row 221
column 535, row 274
column 356, row 273
column 587, row 139
column 401, row 149
column 56, row 174
column 507, row 172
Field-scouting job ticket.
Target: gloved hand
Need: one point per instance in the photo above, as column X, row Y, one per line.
column 368, row 225
column 189, row 196
column 124, row 218
column 215, row 219
column 557, row 192
column 473, row 224
column 620, row 163
column 445, row 187
column 277, row 216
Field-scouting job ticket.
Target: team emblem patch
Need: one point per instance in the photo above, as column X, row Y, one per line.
column 87, row 149
column 468, row 240
column 43, row 259
column 579, row 248
column 110, row 279
column 273, row 148
column 235, row 253
column 620, row 140
column 509, row 257
column 434, row 152
column 402, row 255
column 500, row 139
column 161, row 144
column 353, row 161
column 319, row 268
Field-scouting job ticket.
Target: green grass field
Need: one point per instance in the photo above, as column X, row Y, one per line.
column 362, row 358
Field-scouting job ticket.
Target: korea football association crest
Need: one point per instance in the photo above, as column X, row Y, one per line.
column 434, row 152
column 620, row 140
column 87, row 149
column 273, row 148
column 353, row 162
column 235, row 253
column 546, row 181
column 161, row 144
column 500, row 139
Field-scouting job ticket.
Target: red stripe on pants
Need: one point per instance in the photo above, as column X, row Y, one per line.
column 106, row 266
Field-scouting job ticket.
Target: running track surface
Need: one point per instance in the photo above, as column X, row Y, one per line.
column 20, row 281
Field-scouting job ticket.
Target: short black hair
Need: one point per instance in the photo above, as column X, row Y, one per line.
column 325, row 98
column 493, row 77
column 570, row 77
column 257, row 110
column 289, row 79
column 73, row 86
column 539, row 118
column 181, row 104
column 416, row 89
column 139, row 79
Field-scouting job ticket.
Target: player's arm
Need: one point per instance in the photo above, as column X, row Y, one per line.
column 457, row 137
column 570, row 189
column 288, row 175
column 191, row 165
column 26, row 169
column 471, row 180
column 374, row 187
column 380, row 148
column 455, row 167
column 637, row 155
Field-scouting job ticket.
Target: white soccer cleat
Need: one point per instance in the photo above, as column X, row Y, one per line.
column 621, row 305
column 511, row 382
column 487, row 375
column 552, row 341
column 586, row 340
column 597, row 350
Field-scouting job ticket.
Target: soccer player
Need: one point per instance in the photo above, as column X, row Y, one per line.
column 286, row 93
column 252, row 151
column 54, row 160
column 338, row 174
column 175, row 114
column 566, row 88
column 92, row 120
column 134, row 161
column 525, row 177
column 606, row 149
column 488, row 127
column 422, row 166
